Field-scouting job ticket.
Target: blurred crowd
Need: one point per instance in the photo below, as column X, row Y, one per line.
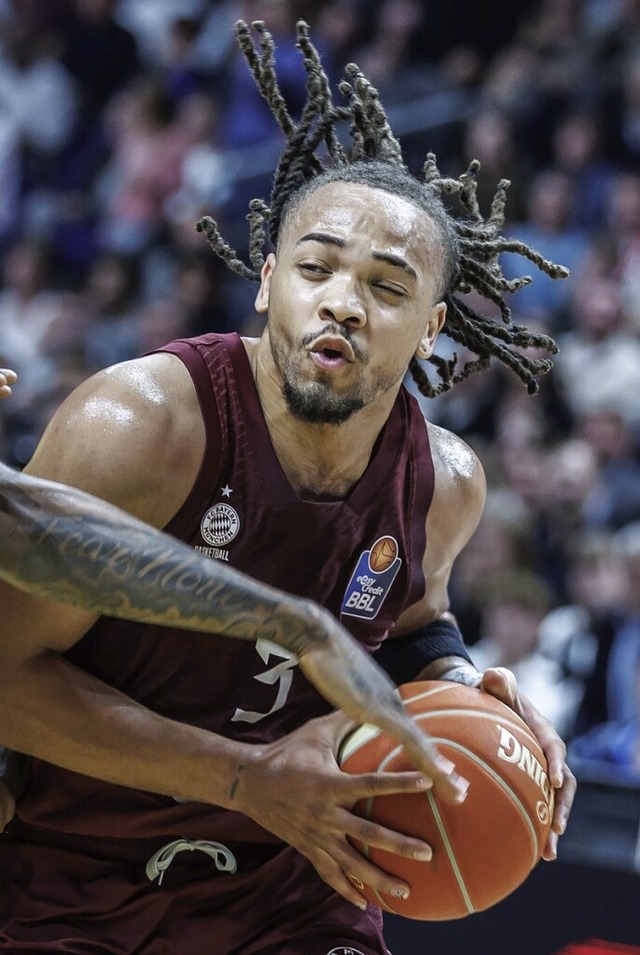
column 122, row 122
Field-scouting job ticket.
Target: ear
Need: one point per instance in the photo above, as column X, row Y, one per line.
column 435, row 321
column 262, row 298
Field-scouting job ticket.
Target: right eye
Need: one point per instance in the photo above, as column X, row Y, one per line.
column 312, row 268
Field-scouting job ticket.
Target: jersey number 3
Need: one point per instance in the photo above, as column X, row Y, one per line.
column 279, row 675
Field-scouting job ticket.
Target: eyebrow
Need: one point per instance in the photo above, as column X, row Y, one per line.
column 327, row 239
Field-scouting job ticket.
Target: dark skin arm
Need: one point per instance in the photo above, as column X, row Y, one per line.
column 61, row 543
column 453, row 517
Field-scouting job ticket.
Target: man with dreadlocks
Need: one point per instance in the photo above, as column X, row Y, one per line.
column 184, row 796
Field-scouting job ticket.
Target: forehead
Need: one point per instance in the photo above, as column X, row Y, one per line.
column 361, row 214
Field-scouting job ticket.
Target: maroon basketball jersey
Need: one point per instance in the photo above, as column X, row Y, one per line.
column 360, row 557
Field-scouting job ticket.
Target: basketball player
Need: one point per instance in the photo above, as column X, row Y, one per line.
column 184, row 796
column 59, row 542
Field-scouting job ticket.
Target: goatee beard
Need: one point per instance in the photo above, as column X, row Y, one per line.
column 315, row 405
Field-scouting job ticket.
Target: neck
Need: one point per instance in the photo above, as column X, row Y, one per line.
column 318, row 459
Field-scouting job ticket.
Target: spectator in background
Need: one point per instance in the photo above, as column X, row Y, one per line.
column 102, row 58
column 180, row 77
column 206, row 175
column 578, row 633
column 151, row 24
column 36, row 90
column 548, row 228
column 623, row 233
column 488, row 136
column 149, row 138
column 615, row 499
column 29, row 309
column 246, row 119
column 612, row 747
column 577, row 151
column 513, row 604
column 199, row 294
column 388, row 60
column 339, row 25
column 100, row 55
column 38, row 112
column 598, row 365
column 160, row 322
column 623, row 110
column 110, row 307
column 553, row 483
column 501, row 541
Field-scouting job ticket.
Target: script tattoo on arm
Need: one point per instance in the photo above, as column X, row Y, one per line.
column 61, row 543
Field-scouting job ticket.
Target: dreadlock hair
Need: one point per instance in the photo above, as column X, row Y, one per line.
column 468, row 246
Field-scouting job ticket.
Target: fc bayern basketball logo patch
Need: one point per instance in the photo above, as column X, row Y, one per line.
column 345, row 951
column 371, row 581
column 220, row 525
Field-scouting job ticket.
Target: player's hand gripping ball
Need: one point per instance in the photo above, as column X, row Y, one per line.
column 484, row 848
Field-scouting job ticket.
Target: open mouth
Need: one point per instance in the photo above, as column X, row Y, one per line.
column 332, row 352
column 329, row 358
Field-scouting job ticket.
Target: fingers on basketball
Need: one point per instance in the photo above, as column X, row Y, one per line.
column 484, row 848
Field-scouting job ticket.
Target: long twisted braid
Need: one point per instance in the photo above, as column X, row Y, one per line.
column 471, row 245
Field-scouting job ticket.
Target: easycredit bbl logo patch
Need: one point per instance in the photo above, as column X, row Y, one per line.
column 371, row 581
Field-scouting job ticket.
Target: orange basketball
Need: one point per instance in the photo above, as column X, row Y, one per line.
column 484, row 848
column 382, row 554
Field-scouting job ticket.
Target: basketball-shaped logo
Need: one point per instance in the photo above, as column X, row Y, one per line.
column 382, row 554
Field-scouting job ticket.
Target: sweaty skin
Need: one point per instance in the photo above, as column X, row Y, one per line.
column 62, row 543
column 351, row 296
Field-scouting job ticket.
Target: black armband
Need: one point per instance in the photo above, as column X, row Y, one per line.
column 12, row 770
column 403, row 658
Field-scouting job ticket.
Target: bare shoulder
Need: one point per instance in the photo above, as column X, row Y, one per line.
column 131, row 434
column 455, row 462
column 460, row 484
column 455, row 511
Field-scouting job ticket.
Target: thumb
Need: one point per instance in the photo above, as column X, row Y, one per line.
column 501, row 683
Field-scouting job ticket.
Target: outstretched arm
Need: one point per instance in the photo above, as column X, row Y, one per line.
column 62, row 543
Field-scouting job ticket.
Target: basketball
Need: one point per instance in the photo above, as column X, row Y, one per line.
column 383, row 553
column 484, row 848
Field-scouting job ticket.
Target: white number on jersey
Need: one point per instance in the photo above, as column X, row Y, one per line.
column 279, row 674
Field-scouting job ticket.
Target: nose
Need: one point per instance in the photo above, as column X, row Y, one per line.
column 342, row 303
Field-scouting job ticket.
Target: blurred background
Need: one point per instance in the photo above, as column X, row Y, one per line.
column 124, row 121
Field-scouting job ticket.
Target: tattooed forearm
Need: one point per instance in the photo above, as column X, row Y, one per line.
column 58, row 542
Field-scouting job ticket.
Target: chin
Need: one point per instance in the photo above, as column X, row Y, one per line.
column 320, row 407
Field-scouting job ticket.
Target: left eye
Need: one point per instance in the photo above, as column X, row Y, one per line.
column 390, row 289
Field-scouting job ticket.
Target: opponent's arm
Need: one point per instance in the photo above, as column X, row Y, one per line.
column 61, row 543
column 428, row 633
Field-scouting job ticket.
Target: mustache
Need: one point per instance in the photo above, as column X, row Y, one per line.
column 339, row 331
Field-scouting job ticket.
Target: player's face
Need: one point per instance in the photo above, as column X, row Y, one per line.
column 351, row 298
